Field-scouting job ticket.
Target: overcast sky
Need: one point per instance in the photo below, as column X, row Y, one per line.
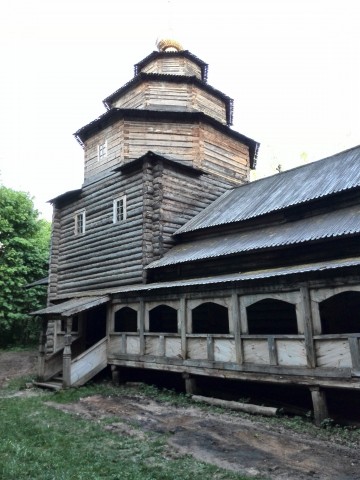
column 291, row 66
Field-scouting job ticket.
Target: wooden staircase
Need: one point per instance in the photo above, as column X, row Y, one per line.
column 60, row 374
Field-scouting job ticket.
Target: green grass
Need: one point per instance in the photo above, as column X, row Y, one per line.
column 38, row 442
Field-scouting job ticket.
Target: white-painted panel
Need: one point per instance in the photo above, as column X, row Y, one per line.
column 291, row 352
column 172, row 347
column 197, row 348
column 224, row 350
column 151, row 345
column 333, row 353
column 132, row 345
column 256, row 351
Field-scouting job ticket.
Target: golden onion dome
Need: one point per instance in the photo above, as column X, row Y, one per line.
column 168, row 45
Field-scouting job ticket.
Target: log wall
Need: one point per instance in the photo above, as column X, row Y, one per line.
column 194, row 144
column 179, row 96
column 173, row 66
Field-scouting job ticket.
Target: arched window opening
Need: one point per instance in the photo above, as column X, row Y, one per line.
column 272, row 317
column 209, row 317
column 126, row 320
column 340, row 313
column 163, row 319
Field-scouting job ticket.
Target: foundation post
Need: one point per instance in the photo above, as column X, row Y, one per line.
column 320, row 405
column 116, row 376
column 190, row 384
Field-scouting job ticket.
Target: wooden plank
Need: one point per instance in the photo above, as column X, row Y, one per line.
column 291, row 352
column 173, row 347
column 197, row 348
column 355, row 354
column 333, row 353
column 272, row 351
column 224, row 350
column 256, row 351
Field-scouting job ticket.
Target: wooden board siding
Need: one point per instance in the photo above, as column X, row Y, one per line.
column 291, row 352
column 173, row 66
column 256, row 351
column 194, row 144
column 333, row 353
column 114, row 136
column 107, row 254
column 224, row 156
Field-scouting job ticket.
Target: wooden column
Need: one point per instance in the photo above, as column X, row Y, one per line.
column 183, row 322
column 67, row 354
column 117, row 375
column 308, row 327
column 190, row 384
column 320, row 405
column 42, row 349
column 355, row 355
column 235, row 312
column 142, row 326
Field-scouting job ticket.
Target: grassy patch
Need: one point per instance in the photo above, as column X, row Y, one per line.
column 40, row 443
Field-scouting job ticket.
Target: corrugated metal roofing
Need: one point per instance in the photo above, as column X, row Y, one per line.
column 73, row 306
column 342, row 222
column 241, row 277
column 299, row 185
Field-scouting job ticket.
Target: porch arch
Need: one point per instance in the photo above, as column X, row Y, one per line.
column 272, row 316
column 340, row 313
column 125, row 320
column 163, row 319
column 210, row 318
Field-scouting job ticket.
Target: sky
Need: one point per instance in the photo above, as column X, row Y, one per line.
column 291, row 66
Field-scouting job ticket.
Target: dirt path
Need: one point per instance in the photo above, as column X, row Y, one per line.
column 244, row 445
column 232, row 442
column 16, row 364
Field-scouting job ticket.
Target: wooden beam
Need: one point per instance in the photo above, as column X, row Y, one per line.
column 320, row 405
column 308, row 327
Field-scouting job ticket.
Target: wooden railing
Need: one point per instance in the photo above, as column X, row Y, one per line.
column 88, row 363
column 287, row 351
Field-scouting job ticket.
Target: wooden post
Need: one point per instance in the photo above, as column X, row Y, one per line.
column 210, row 348
column 355, row 355
column 320, row 405
column 67, row 354
column 272, row 351
column 116, row 375
column 142, row 326
column 182, row 321
column 190, row 384
column 235, row 312
column 308, row 329
column 42, row 349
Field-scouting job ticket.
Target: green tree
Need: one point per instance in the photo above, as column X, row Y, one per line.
column 24, row 253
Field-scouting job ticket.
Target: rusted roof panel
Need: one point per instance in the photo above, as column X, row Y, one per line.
column 72, row 307
column 242, row 277
column 299, row 185
column 342, row 222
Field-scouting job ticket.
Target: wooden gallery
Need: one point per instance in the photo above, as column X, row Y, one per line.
column 169, row 259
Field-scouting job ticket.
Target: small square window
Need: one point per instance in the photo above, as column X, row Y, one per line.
column 119, row 209
column 102, row 150
column 79, row 223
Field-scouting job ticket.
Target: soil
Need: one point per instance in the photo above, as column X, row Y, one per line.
column 242, row 444
column 16, row 364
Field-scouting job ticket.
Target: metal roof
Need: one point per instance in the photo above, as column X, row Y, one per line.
column 72, row 307
column 342, row 222
column 299, row 185
column 242, row 277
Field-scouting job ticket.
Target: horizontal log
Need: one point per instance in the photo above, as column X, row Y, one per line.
column 237, row 406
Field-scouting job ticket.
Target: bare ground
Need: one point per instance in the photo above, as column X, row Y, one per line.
column 245, row 445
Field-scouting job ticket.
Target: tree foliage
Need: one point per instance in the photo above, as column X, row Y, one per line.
column 24, row 252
